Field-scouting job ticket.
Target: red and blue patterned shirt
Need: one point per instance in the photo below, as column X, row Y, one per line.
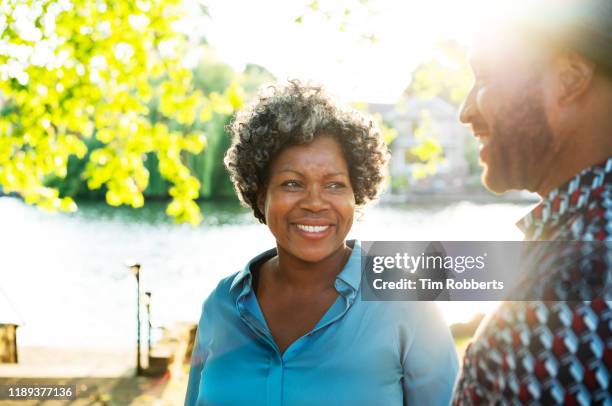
column 557, row 350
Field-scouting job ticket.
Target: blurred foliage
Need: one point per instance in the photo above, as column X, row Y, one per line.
column 346, row 15
column 210, row 76
column 387, row 131
column 428, row 150
column 448, row 76
column 95, row 88
column 399, row 183
column 211, row 170
column 254, row 77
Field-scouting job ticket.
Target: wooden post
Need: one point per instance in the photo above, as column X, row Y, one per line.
column 8, row 343
column 135, row 269
column 148, row 306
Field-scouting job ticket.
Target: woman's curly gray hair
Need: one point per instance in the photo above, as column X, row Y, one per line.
column 295, row 114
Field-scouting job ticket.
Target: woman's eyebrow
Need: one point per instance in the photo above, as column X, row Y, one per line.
column 327, row 175
column 290, row 170
column 332, row 174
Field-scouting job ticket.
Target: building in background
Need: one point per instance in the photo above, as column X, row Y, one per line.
column 453, row 175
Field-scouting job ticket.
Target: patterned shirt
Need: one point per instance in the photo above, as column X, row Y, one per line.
column 556, row 351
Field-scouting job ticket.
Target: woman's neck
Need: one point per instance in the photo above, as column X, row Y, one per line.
column 295, row 274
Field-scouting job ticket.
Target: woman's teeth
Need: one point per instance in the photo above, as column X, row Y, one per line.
column 312, row 229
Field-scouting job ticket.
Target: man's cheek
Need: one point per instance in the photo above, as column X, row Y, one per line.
column 485, row 103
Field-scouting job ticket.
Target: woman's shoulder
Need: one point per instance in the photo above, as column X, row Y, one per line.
column 218, row 302
column 226, row 286
column 223, row 288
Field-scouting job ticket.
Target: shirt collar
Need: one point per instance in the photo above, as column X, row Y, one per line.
column 566, row 199
column 350, row 275
column 245, row 273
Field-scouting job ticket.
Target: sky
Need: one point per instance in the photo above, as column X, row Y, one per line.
column 352, row 67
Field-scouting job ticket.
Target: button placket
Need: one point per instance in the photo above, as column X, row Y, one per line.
column 274, row 387
column 275, row 380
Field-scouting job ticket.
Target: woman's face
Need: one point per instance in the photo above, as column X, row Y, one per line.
column 309, row 201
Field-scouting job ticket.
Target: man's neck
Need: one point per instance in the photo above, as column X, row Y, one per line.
column 584, row 149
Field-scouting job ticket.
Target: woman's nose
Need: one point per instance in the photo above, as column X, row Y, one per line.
column 314, row 199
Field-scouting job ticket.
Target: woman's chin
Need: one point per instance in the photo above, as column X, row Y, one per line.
column 313, row 257
column 314, row 254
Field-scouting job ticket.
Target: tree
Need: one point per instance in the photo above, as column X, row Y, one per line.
column 447, row 76
column 212, row 77
column 76, row 80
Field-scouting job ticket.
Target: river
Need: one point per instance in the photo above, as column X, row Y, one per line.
column 63, row 277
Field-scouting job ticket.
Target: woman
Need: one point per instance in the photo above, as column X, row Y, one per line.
column 290, row 328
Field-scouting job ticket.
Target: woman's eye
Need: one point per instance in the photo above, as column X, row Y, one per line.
column 290, row 184
column 336, row 185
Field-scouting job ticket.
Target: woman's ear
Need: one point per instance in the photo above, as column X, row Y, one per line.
column 261, row 201
column 575, row 75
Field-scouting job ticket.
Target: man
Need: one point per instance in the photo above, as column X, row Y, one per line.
column 541, row 106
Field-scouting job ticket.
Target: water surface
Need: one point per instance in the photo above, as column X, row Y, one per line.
column 64, row 276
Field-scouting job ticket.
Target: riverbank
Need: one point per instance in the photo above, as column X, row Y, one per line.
column 101, row 377
column 107, row 377
column 127, row 391
column 446, row 198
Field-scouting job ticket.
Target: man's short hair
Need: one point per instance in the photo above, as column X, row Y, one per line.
column 584, row 26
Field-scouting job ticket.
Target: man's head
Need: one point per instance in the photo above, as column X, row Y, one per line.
column 536, row 99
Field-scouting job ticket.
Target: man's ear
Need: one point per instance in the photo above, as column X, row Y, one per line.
column 575, row 75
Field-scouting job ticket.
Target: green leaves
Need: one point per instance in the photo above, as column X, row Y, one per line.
column 428, row 149
column 75, row 69
column 448, row 76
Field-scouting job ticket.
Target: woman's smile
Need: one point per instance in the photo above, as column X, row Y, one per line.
column 313, row 232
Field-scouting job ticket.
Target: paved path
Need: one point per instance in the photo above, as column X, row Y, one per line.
column 101, row 377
